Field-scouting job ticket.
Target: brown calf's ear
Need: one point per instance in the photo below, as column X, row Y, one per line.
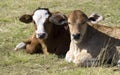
column 26, row 18
column 95, row 18
column 58, row 19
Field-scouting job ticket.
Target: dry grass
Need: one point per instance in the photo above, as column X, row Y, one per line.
column 12, row 32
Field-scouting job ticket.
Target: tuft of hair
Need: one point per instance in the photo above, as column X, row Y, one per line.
column 42, row 8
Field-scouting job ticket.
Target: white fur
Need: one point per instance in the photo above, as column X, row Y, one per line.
column 20, row 46
column 118, row 63
column 40, row 17
column 69, row 56
column 78, row 56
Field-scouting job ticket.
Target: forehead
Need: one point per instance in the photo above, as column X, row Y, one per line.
column 41, row 12
column 40, row 15
column 77, row 16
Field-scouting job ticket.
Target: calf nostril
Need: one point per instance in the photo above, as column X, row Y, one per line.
column 76, row 36
column 42, row 35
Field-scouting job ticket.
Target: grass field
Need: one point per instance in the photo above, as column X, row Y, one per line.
column 12, row 31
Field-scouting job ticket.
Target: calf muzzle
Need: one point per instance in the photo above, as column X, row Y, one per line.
column 76, row 36
column 42, row 35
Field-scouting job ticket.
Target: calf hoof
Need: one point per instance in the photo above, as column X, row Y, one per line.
column 68, row 59
column 46, row 53
column 21, row 45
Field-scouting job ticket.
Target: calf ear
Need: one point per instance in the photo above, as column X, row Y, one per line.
column 58, row 19
column 26, row 18
column 95, row 18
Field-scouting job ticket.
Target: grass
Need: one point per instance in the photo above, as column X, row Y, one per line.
column 12, row 32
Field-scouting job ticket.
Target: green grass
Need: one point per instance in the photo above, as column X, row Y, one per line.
column 12, row 32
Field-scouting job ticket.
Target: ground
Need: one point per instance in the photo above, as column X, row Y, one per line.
column 12, row 31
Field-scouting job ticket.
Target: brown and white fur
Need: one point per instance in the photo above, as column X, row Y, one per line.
column 50, row 35
column 90, row 41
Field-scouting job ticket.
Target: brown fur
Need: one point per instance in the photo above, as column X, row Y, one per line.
column 98, row 41
column 111, row 31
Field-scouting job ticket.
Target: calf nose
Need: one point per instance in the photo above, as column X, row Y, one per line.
column 76, row 36
column 41, row 35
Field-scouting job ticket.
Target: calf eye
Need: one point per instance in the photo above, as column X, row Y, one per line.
column 61, row 20
column 46, row 13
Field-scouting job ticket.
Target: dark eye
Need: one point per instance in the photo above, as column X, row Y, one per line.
column 46, row 13
column 91, row 19
column 61, row 20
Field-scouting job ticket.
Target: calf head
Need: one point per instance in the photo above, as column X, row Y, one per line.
column 44, row 21
column 78, row 22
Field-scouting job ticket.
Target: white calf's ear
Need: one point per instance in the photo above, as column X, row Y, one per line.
column 58, row 19
column 95, row 18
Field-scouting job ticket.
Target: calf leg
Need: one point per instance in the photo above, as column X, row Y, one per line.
column 84, row 59
column 31, row 49
column 69, row 56
column 31, row 45
column 44, row 47
column 34, row 46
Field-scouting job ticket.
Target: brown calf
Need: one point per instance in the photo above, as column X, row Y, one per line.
column 50, row 33
column 90, row 41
